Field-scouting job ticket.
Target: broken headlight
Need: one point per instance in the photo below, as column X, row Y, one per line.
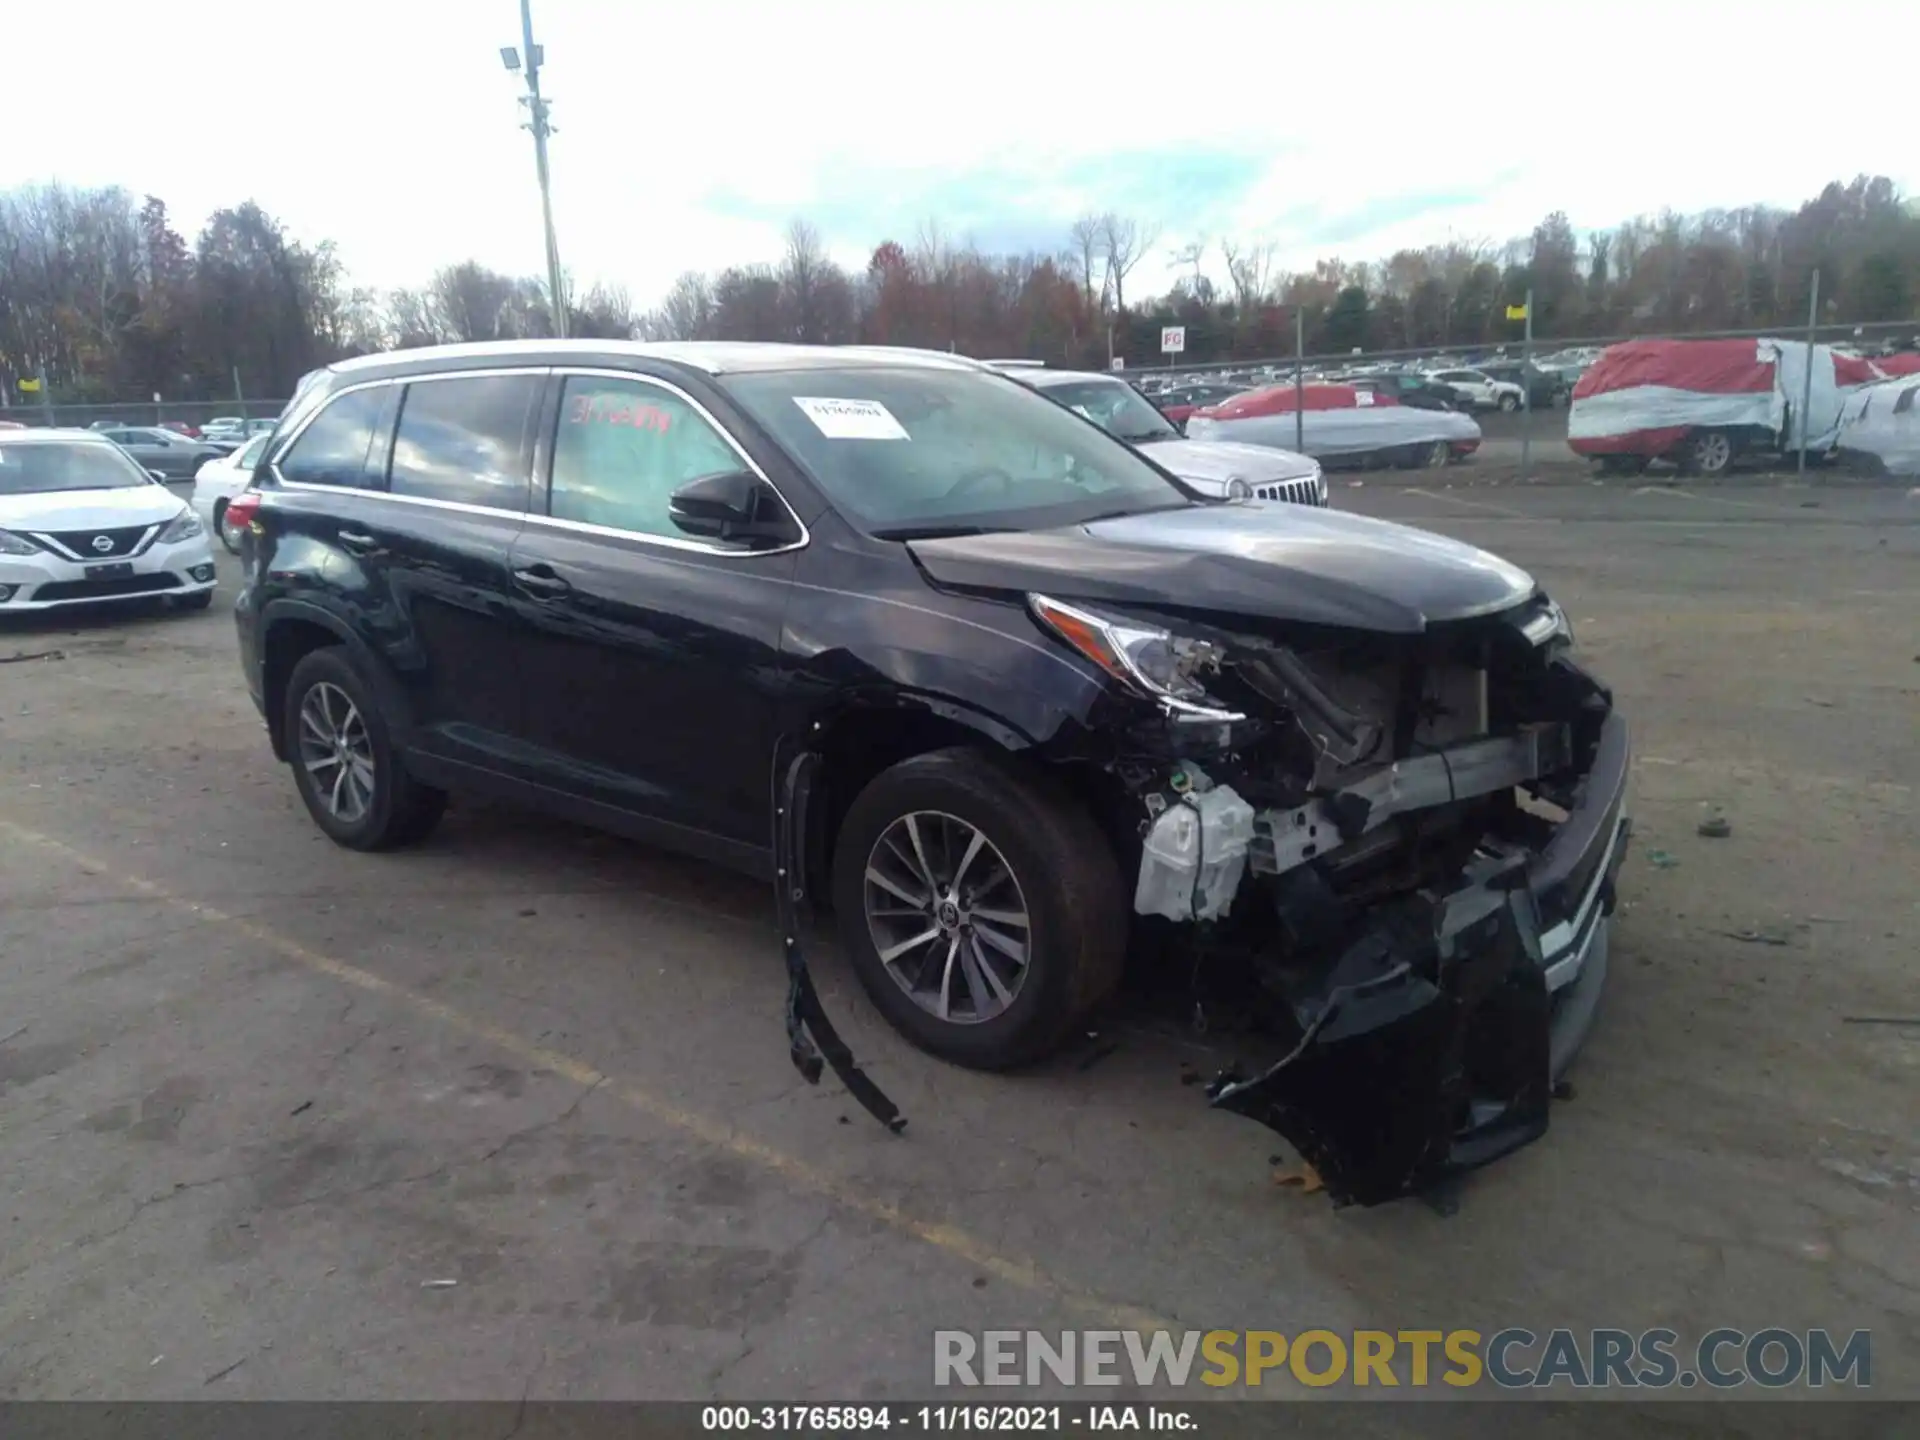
column 1145, row 658
column 1549, row 622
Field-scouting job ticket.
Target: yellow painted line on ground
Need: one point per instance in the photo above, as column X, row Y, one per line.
column 1010, row 1269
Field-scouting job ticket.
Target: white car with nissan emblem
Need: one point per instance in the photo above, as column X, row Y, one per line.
column 81, row 523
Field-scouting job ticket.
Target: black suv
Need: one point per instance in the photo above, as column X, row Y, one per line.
column 891, row 626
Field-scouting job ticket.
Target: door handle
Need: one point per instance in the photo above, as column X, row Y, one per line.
column 355, row 542
column 540, row 582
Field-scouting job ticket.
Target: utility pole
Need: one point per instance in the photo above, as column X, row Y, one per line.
column 1806, row 382
column 537, row 122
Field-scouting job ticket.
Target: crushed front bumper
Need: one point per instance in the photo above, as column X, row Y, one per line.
column 1432, row 1043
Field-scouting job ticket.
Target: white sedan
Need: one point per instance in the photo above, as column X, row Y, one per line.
column 81, row 524
column 1483, row 392
column 218, row 481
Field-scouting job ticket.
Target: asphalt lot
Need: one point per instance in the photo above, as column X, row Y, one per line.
column 259, row 1094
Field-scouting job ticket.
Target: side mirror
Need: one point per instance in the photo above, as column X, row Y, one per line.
column 159, row 477
column 736, row 505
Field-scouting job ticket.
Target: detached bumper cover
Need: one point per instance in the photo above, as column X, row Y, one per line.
column 1432, row 1043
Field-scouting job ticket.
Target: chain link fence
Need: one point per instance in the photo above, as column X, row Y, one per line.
column 1523, row 415
column 193, row 414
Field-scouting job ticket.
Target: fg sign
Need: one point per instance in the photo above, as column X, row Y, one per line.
column 1173, row 339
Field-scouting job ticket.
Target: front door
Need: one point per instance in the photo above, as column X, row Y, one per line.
column 650, row 657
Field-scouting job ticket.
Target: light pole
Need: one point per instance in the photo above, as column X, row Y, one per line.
column 537, row 123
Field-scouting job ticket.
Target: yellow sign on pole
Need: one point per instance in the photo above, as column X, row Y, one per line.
column 1516, row 312
column 27, row 387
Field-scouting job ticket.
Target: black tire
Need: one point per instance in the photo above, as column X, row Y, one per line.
column 1509, row 404
column 220, row 527
column 1067, row 877
column 401, row 810
column 194, row 602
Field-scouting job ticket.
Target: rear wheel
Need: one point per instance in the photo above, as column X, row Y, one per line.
column 229, row 534
column 1708, row 453
column 1509, row 403
column 981, row 908
column 344, row 763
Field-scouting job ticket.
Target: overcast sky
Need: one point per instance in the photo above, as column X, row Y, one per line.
column 690, row 132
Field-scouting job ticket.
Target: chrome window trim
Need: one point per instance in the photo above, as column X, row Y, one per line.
column 670, row 542
column 665, row 542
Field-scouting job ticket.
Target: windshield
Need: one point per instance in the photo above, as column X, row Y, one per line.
column 910, row 450
column 1115, row 406
column 43, row 467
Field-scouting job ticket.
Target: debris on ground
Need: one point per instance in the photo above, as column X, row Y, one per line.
column 1816, row 700
column 1714, row 827
column 438, row 1284
column 1756, row 937
column 302, row 1107
column 1880, row 1019
column 1661, row 860
column 20, row 656
column 1306, row 1179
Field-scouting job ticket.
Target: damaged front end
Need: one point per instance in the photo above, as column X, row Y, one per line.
column 1403, row 847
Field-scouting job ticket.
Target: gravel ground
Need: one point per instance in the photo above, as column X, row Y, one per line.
column 512, row 1114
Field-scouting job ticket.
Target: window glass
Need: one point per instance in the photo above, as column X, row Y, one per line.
column 907, row 449
column 1904, row 404
column 462, row 440
column 623, row 448
column 37, row 467
column 1115, row 407
column 333, row 449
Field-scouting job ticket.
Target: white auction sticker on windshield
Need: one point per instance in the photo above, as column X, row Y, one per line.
column 851, row 419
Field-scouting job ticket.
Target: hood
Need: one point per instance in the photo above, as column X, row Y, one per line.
column 1281, row 562
column 1210, row 464
column 89, row 509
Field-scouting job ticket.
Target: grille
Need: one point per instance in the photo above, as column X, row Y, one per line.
column 81, row 543
column 105, row 589
column 1294, row 492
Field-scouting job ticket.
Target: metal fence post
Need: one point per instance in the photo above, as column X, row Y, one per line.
column 1806, row 387
column 239, row 400
column 1526, row 391
column 46, row 395
column 1299, row 380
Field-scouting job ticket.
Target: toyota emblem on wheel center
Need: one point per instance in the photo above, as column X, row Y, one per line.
column 103, row 543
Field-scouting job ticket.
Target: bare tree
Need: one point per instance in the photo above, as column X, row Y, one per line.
column 1124, row 242
column 1086, row 256
column 686, row 313
column 1249, row 271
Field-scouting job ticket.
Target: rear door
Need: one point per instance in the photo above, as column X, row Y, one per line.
column 651, row 659
column 427, row 481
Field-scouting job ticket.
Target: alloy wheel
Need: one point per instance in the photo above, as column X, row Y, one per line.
column 947, row 917
column 1711, row 453
column 337, row 752
column 229, row 532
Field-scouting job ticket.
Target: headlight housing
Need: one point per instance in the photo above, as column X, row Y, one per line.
column 1239, row 488
column 13, row 545
column 1147, row 659
column 184, row 526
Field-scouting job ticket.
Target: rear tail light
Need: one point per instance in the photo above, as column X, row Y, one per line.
column 242, row 509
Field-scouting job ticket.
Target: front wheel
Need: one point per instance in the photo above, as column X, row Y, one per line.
column 1509, row 403
column 981, row 908
column 344, row 763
